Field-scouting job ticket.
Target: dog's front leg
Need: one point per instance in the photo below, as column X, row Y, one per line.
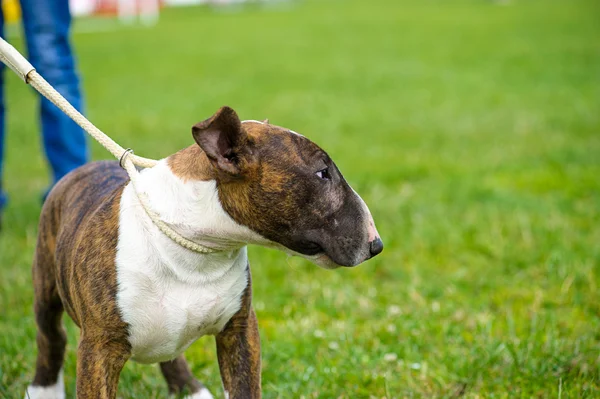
column 99, row 364
column 238, row 350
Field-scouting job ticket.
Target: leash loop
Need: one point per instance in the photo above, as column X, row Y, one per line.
column 126, row 153
column 127, row 159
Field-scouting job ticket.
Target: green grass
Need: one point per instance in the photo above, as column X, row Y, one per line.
column 472, row 130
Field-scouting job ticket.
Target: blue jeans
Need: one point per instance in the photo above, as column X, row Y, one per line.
column 46, row 24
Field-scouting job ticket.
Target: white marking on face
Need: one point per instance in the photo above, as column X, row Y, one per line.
column 372, row 230
column 56, row 391
column 370, row 223
column 201, row 394
column 369, row 229
column 168, row 295
column 296, row 133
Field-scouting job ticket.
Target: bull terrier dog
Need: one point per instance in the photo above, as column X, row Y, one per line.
column 136, row 294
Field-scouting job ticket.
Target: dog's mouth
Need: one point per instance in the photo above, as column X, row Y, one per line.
column 315, row 253
column 311, row 251
column 310, row 248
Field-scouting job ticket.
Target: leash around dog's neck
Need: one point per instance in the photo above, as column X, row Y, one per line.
column 127, row 159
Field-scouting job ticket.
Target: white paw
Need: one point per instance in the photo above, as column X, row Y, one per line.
column 56, row 391
column 201, row 394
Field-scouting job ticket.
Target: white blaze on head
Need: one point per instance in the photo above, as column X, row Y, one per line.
column 262, row 123
column 371, row 229
column 373, row 234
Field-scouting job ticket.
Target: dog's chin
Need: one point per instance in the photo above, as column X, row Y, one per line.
column 322, row 260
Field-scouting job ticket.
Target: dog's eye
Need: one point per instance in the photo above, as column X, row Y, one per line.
column 324, row 174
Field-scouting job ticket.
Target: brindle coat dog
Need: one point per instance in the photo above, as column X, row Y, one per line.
column 137, row 295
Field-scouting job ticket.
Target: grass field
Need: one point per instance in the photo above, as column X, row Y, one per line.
column 472, row 129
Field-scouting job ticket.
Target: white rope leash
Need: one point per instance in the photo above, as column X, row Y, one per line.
column 128, row 161
column 44, row 88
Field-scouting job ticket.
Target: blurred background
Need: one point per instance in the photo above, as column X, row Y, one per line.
column 470, row 127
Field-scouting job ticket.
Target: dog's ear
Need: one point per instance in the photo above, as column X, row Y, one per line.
column 222, row 138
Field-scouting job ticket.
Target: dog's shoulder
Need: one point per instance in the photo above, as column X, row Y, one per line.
column 88, row 194
column 88, row 184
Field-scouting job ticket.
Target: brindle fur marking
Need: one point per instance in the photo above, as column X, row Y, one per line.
column 179, row 377
column 191, row 163
column 99, row 364
column 238, row 350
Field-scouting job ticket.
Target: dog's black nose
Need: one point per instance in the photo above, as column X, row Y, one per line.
column 376, row 247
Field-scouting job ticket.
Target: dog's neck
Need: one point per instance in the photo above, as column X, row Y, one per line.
column 192, row 208
column 187, row 200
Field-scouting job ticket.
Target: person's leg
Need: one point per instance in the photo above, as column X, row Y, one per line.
column 3, row 197
column 46, row 25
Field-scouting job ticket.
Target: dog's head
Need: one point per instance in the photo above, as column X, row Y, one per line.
column 284, row 187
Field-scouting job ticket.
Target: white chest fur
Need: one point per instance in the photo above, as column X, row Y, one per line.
column 168, row 295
